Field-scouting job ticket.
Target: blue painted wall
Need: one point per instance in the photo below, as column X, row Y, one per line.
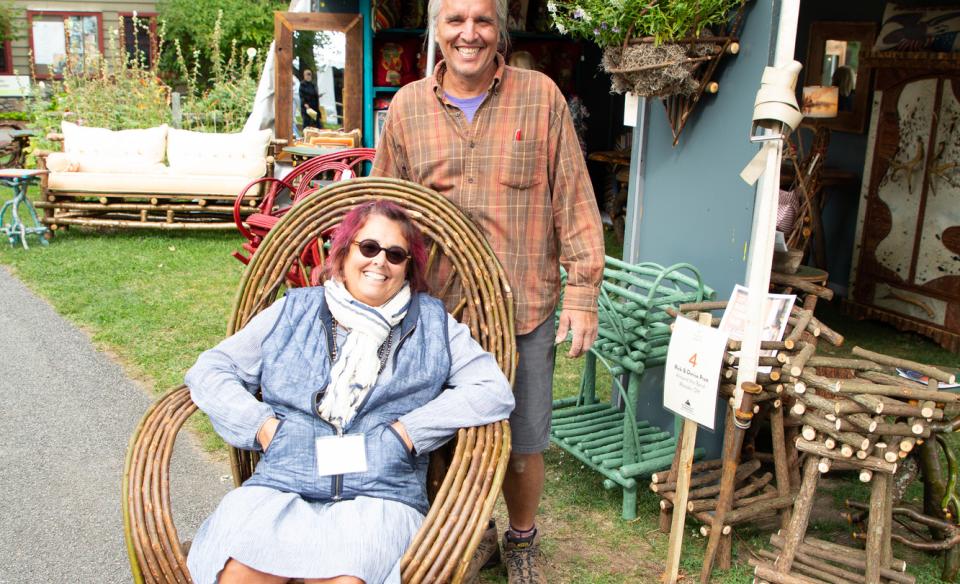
column 696, row 208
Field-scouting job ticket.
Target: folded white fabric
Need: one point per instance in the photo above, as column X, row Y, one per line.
column 775, row 108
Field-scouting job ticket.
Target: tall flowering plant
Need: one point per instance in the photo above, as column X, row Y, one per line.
column 611, row 22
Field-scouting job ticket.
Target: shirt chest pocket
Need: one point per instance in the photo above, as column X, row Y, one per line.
column 524, row 164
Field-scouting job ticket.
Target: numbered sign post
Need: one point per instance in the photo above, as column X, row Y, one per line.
column 690, row 385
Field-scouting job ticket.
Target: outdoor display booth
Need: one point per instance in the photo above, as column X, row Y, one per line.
column 779, row 410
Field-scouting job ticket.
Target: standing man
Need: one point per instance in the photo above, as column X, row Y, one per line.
column 309, row 101
column 499, row 142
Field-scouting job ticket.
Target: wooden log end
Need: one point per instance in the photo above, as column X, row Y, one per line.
column 824, row 465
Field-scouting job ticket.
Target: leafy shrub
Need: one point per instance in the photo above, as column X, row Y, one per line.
column 9, row 14
column 247, row 22
column 225, row 101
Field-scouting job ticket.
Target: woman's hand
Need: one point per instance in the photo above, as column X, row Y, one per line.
column 266, row 432
column 398, row 426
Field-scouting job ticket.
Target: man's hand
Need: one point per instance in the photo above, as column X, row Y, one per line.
column 266, row 432
column 584, row 327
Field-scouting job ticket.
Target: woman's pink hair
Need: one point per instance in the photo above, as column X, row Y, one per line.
column 353, row 221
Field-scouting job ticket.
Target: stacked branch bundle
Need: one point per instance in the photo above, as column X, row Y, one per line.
column 634, row 332
column 739, row 487
column 854, row 414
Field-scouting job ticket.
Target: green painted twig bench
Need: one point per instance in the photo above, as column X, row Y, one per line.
column 634, row 332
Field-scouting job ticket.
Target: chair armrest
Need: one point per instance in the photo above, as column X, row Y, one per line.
column 442, row 548
column 153, row 546
column 266, row 203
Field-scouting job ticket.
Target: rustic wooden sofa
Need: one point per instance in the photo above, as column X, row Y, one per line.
column 152, row 178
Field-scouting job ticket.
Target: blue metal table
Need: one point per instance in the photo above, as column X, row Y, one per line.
column 19, row 179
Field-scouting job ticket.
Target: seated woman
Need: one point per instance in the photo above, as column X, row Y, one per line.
column 361, row 378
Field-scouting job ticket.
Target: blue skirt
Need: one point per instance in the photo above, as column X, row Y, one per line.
column 283, row 534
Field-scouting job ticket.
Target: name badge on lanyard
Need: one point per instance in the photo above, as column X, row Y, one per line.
column 338, row 455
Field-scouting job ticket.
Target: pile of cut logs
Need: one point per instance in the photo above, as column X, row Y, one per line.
column 843, row 414
column 728, row 491
column 855, row 414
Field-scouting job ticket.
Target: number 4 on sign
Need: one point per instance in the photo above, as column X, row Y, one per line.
column 693, row 360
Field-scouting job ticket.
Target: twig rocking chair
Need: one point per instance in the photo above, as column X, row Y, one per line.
column 464, row 478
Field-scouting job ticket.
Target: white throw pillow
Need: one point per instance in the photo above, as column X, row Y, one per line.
column 241, row 154
column 115, row 149
column 62, row 162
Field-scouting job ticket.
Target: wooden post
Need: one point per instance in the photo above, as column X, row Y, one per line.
column 793, row 536
column 732, row 442
column 176, row 111
column 876, row 526
column 780, row 465
column 666, row 513
column 688, row 440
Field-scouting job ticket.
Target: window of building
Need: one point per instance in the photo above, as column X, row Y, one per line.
column 6, row 59
column 62, row 39
column 140, row 37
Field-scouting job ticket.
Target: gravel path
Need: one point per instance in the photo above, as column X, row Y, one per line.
column 65, row 420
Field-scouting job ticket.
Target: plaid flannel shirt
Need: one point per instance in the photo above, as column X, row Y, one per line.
column 517, row 171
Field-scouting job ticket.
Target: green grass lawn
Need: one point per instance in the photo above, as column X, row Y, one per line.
column 155, row 300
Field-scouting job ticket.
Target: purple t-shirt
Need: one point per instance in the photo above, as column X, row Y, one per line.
column 468, row 106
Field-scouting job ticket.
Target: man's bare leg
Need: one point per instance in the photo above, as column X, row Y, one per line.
column 522, row 488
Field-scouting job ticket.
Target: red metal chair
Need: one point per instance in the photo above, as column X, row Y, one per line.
column 281, row 194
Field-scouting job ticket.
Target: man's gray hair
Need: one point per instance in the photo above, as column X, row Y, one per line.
column 433, row 15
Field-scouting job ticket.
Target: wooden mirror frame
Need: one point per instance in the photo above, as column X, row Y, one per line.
column 284, row 25
column 820, row 32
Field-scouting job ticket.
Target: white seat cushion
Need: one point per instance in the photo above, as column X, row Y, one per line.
column 114, row 151
column 199, row 153
column 168, row 183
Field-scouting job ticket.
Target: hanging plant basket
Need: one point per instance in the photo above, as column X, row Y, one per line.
column 657, row 70
column 657, row 48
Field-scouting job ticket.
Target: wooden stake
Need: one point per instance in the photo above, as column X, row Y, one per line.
column 879, row 507
column 684, row 468
column 801, row 515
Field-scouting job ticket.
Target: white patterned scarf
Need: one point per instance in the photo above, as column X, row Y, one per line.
column 358, row 364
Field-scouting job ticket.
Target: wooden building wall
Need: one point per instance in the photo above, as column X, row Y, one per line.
column 109, row 10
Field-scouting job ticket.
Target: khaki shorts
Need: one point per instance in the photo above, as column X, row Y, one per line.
column 533, row 389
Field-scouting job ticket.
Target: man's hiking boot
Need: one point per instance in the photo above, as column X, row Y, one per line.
column 523, row 559
column 486, row 556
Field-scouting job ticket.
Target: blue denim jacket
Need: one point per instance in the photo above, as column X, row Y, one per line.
column 285, row 351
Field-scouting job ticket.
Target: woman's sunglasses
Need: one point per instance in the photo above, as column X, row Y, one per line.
column 369, row 249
